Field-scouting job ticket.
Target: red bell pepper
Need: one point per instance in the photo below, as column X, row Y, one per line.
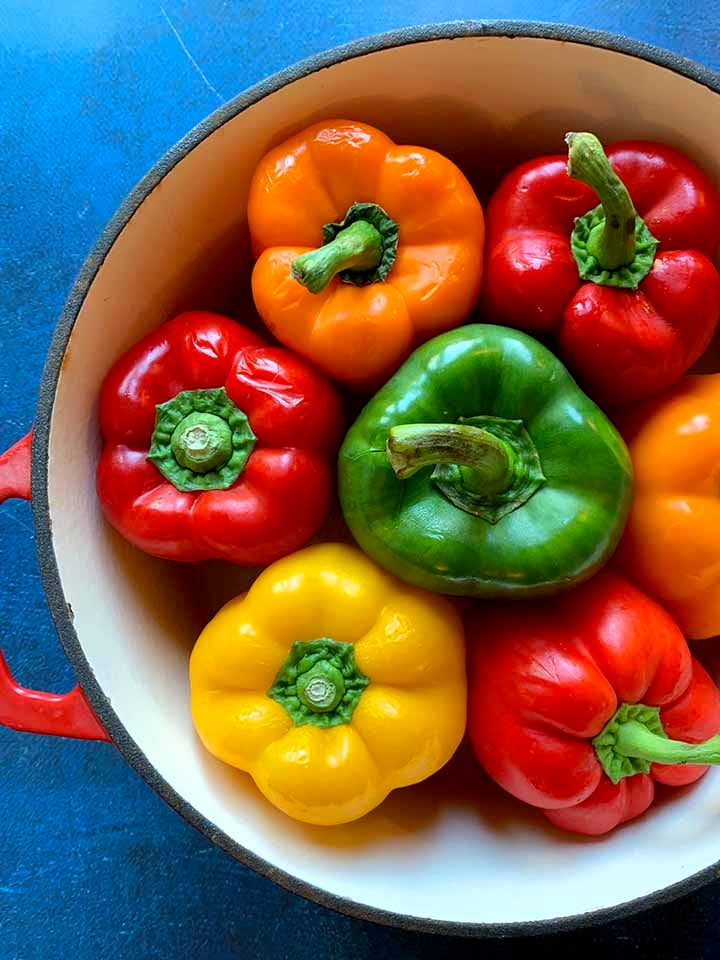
column 632, row 297
column 216, row 445
column 572, row 701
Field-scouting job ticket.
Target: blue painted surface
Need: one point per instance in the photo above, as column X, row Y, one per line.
column 92, row 864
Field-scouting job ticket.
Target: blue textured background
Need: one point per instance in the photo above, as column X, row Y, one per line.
column 92, row 864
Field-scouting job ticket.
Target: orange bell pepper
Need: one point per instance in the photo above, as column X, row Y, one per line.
column 671, row 546
column 401, row 256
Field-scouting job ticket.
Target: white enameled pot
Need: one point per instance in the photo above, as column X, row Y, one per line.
column 453, row 854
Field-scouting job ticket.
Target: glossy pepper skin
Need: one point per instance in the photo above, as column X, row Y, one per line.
column 481, row 469
column 623, row 344
column 360, row 328
column 286, row 426
column 331, row 683
column 671, row 547
column 561, row 698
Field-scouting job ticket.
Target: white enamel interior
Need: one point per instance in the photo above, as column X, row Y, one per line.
column 452, row 849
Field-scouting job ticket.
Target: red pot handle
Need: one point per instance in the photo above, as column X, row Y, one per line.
column 32, row 711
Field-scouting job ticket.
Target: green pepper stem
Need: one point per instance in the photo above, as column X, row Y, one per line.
column 202, row 442
column 321, row 688
column 633, row 739
column 319, row 683
column 357, row 247
column 411, row 447
column 612, row 243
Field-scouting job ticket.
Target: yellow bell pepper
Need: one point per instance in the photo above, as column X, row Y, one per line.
column 331, row 683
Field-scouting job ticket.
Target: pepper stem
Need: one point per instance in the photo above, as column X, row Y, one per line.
column 416, row 445
column 361, row 249
column 202, row 442
column 321, row 688
column 486, row 466
column 634, row 739
column 357, row 247
column 612, row 243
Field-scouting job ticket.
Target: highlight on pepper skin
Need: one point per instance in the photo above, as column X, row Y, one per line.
column 331, row 683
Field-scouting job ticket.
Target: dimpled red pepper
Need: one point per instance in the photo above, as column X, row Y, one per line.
column 628, row 287
column 216, row 445
column 572, row 702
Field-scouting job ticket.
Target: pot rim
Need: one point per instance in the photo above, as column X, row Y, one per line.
column 59, row 608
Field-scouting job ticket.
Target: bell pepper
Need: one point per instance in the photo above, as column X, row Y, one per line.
column 364, row 248
column 331, row 684
column 216, row 445
column 580, row 704
column 481, row 469
column 671, row 547
column 632, row 297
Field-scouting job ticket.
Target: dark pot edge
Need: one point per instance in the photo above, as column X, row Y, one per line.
column 62, row 615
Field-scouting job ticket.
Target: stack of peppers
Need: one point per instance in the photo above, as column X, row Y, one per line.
column 482, row 466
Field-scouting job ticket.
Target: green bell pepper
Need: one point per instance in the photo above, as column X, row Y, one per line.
column 481, row 469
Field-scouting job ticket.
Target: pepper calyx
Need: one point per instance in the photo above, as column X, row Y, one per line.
column 319, row 683
column 584, row 241
column 201, row 440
